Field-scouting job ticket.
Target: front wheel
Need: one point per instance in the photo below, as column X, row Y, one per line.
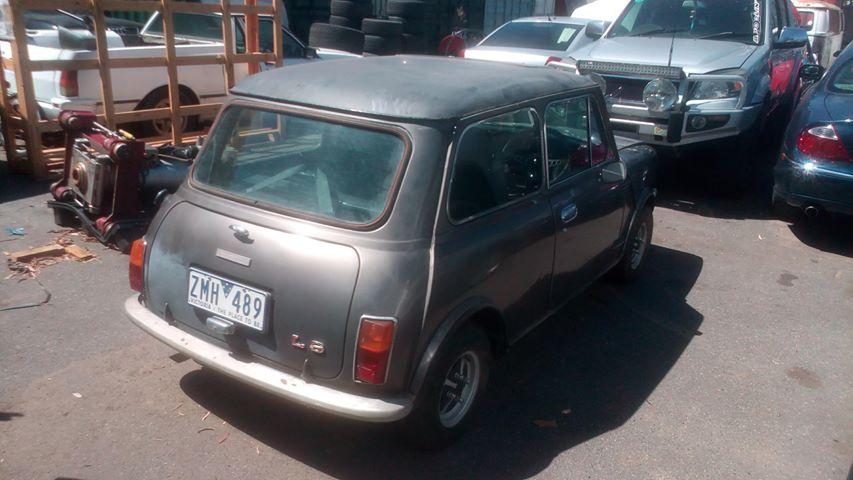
column 637, row 249
column 453, row 387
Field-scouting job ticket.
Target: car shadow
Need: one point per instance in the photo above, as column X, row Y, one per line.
column 828, row 233
column 583, row 372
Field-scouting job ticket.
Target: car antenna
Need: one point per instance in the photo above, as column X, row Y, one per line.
column 671, row 45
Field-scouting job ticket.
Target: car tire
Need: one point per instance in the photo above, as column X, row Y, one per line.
column 408, row 9
column 344, row 22
column 382, row 28
column 336, row 37
column 159, row 98
column 382, row 45
column 637, row 247
column 350, row 9
column 443, row 411
column 413, row 26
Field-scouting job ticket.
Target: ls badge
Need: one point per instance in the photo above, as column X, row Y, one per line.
column 314, row 346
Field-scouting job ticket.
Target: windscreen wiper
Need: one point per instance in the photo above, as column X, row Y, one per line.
column 722, row 35
column 659, row 30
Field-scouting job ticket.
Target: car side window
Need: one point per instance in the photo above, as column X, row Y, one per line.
column 498, row 160
column 834, row 22
column 567, row 134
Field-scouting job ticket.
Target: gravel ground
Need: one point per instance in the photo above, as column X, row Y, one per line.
column 729, row 359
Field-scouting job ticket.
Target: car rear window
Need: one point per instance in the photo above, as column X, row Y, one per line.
column 538, row 35
column 304, row 165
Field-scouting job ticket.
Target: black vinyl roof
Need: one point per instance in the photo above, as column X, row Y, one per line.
column 408, row 86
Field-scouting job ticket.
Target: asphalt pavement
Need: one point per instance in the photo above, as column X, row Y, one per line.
column 730, row 358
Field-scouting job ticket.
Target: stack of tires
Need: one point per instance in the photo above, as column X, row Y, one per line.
column 342, row 32
column 336, row 37
column 382, row 36
column 416, row 16
column 349, row 13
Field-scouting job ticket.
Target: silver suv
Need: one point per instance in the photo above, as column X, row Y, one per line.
column 690, row 72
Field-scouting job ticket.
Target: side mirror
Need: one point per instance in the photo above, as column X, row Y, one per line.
column 614, row 172
column 791, row 37
column 811, row 72
column 596, row 29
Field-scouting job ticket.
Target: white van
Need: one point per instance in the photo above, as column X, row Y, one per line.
column 824, row 23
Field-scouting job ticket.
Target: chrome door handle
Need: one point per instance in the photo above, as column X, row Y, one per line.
column 569, row 213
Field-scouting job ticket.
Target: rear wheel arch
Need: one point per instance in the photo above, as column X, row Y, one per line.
column 476, row 312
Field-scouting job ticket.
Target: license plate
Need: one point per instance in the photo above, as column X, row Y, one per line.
column 228, row 299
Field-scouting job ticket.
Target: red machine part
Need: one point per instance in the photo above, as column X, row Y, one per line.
column 127, row 153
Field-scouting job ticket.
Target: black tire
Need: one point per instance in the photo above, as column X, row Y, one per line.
column 350, row 9
column 636, row 249
column 382, row 45
column 336, row 37
column 344, row 22
column 426, row 427
column 408, row 9
column 413, row 43
column 382, row 28
column 158, row 98
column 65, row 218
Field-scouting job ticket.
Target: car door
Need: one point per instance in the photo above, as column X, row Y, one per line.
column 784, row 62
column 498, row 244
column 589, row 213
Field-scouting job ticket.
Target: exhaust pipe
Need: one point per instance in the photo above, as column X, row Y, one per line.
column 811, row 211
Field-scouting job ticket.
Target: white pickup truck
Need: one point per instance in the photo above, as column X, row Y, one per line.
column 144, row 88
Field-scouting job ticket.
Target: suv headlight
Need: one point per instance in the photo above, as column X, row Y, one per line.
column 717, row 89
column 660, row 94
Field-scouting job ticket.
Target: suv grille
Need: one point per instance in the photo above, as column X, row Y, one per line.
column 628, row 90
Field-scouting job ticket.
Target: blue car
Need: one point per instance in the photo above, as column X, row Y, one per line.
column 814, row 172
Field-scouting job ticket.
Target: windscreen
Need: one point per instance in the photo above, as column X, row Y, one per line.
column 731, row 20
column 538, row 35
column 304, row 165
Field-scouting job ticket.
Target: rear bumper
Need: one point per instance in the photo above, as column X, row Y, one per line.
column 800, row 187
column 266, row 378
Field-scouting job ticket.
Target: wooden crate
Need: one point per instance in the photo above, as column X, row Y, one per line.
column 22, row 128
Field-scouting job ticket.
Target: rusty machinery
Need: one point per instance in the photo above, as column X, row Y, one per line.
column 112, row 183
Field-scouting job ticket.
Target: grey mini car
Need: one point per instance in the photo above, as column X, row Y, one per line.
column 368, row 245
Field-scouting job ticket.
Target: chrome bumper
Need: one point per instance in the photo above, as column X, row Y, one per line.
column 266, row 378
column 670, row 128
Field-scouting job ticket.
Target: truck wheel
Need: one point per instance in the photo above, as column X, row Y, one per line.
column 637, row 248
column 451, row 391
column 162, row 127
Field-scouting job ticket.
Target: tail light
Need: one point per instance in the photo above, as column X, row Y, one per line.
column 553, row 59
column 375, row 338
column 137, row 259
column 822, row 142
column 68, row 83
